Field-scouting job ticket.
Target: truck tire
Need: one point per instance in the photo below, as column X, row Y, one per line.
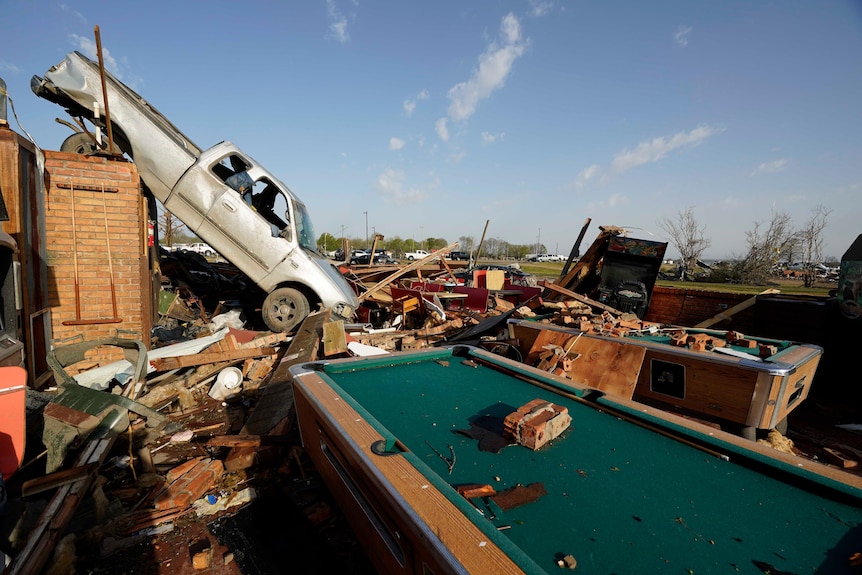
column 284, row 309
column 81, row 143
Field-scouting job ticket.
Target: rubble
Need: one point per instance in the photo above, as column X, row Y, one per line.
column 193, row 437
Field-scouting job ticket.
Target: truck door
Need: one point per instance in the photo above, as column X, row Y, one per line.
column 256, row 225
column 224, row 191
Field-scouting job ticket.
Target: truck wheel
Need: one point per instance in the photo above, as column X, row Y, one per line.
column 79, row 143
column 410, row 258
column 284, row 309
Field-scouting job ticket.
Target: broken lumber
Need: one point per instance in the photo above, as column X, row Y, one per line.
column 415, row 265
column 728, row 313
column 581, row 298
column 180, row 361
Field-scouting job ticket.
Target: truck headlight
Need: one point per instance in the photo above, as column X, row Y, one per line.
column 344, row 310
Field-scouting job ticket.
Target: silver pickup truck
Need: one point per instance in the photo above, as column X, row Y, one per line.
column 230, row 201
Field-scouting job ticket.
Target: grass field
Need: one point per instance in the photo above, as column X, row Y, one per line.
column 551, row 271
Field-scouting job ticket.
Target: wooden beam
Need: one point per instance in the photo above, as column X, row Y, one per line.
column 482, row 241
column 728, row 313
column 581, row 298
column 247, row 440
column 575, row 249
column 180, row 361
column 57, row 479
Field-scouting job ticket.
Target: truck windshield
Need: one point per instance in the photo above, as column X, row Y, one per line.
column 304, row 227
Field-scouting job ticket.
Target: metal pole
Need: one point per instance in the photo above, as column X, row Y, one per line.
column 104, row 91
column 366, row 227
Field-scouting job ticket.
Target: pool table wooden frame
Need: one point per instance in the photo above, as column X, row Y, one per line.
column 748, row 393
column 404, row 520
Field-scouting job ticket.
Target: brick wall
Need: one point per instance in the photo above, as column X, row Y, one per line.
column 688, row 307
column 87, row 241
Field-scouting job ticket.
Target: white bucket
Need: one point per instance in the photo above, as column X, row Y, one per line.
column 227, row 384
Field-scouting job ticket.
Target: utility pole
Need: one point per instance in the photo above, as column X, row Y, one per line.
column 366, row 227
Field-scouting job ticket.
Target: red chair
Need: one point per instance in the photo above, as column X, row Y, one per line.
column 527, row 292
column 476, row 300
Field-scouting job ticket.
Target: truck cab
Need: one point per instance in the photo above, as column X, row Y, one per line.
column 221, row 194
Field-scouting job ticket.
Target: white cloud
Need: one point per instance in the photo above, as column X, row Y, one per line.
column 489, row 138
column 75, row 14
column 495, row 65
column 680, row 37
column 7, row 67
column 617, row 200
column 410, row 105
column 770, row 167
column 390, row 184
column 657, row 148
column 587, row 174
column 88, row 47
column 442, row 129
column 457, row 156
column 539, row 8
column 395, row 143
column 338, row 23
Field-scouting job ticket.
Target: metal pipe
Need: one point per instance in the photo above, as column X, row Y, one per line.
column 104, row 90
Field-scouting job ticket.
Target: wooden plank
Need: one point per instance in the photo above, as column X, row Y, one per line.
column 303, row 347
column 55, row 517
column 590, row 258
column 728, row 313
column 180, row 361
column 247, row 440
column 581, row 298
column 610, row 366
column 334, row 338
column 57, row 479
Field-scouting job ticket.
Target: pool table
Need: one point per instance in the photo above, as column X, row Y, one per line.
column 730, row 384
column 402, row 442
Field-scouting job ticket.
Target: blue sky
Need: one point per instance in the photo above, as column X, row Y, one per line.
column 434, row 117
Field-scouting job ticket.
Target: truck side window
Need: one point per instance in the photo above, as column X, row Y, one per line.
column 268, row 202
column 233, row 170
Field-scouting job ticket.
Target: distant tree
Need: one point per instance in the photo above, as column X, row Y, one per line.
column 496, row 248
column 432, row 244
column 396, row 245
column 170, row 228
column 765, row 245
column 327, row 242
column 810, row 241
column 466, row 244
column 686, row 234
column 519, row 251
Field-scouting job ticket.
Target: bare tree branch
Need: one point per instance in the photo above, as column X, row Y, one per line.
column 687, row 236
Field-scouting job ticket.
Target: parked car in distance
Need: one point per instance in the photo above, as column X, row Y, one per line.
column 546, row 258
column 201, row 248
column 417, row 255
column 459, row 256
column 365, row 258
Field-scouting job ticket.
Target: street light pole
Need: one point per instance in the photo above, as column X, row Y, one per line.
column 366, row 228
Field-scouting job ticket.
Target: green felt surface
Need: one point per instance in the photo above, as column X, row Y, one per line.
column 620, row 498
